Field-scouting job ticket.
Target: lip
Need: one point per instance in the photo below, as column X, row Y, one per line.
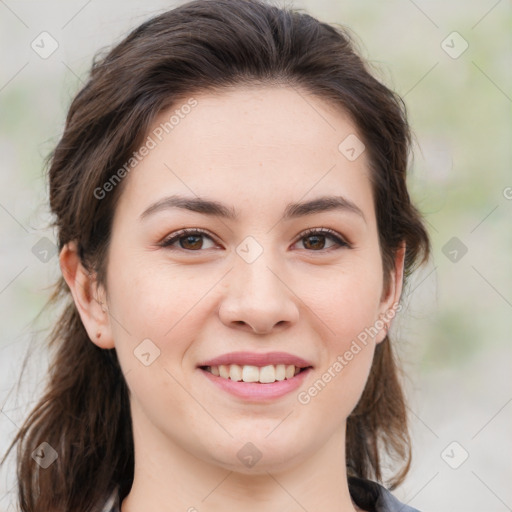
column 256, row 359
column 256, row 392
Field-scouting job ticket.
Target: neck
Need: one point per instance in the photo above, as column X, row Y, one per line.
column 169, row 477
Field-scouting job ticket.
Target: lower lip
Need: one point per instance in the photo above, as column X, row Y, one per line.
column 255, row 390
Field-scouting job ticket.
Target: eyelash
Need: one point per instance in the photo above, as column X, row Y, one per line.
column 167, row 243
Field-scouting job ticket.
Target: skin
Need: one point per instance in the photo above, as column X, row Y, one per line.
column 255, row 149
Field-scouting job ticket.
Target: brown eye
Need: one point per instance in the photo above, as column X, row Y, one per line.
column 189, row 240
column 315, row 242
column 315, row 239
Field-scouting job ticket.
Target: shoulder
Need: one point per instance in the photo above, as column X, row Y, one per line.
column 373, row 497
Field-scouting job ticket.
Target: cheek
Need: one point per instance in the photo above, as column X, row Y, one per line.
column 340, row 380
column 348, row 306
column 158, row 399
column 348, row 302
column 153, row 300
column 161, row 305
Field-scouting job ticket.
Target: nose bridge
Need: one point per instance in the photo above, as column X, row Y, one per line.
column 258, row 281
column 256, row 294
column 255, row 279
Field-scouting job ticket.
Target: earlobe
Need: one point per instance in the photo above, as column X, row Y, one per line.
column 391, row 302
column 89, row 297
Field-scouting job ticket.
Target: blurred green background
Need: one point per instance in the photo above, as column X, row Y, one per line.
column 455, row 335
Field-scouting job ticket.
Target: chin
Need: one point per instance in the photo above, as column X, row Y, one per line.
column 259, row 456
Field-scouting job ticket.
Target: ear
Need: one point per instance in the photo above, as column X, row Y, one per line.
column 390, row 302
column 89, row 297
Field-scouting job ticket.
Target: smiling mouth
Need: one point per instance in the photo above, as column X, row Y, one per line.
column 257, row 374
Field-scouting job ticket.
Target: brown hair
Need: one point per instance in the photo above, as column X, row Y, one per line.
column 203, row 45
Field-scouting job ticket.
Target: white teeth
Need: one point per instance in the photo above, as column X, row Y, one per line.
column 280, row 372
column 224, row 371
column 267, row 374
column 249, row 373
column 235, row 372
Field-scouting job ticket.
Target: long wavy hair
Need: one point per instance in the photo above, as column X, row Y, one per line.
column 202, row 45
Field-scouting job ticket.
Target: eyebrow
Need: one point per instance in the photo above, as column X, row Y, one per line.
column 217, row 209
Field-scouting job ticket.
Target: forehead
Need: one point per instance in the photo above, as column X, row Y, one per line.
column 270, row 117
column 271, row 142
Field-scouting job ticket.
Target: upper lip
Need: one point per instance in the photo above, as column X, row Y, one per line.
column 257, row 359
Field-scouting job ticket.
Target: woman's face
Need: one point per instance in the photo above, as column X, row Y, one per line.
column 253, row 288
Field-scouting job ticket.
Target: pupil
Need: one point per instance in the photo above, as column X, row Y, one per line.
column 191, row 238
column 315, row 237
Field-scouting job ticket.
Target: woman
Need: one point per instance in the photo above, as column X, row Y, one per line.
column 235, row 231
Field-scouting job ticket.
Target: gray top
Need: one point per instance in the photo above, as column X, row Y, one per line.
column 368, row 495
column 373, row 497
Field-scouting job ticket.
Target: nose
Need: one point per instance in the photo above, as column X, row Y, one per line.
column 257, row 299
